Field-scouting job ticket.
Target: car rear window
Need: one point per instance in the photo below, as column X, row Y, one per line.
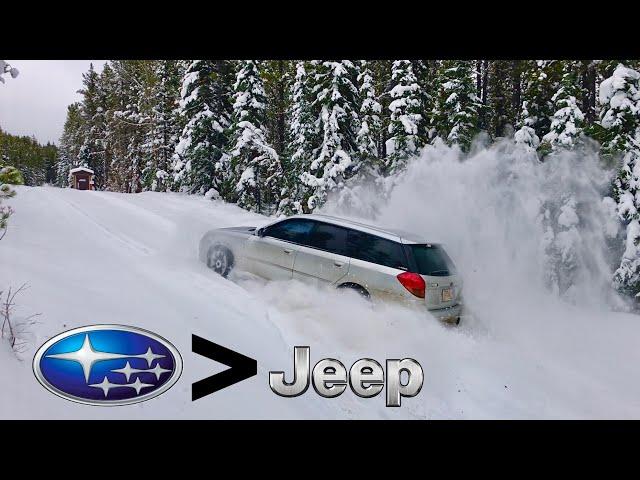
column 431, row 259
column 374, row 249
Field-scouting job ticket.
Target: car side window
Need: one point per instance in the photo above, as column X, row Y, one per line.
column 330, row 238
column 374, row 249
column 294, row 230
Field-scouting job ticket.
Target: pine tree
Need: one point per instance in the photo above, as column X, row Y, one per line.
column 425, row 73
column 62, row 167
column 619, row 97
column 406, row 116
column 499, row 101
column 540, row 83
column 6, row 191
column 567, row 122
column 92, row 151
column 165, row 125
column 255, row 164
column 127, row 124
column 458, row 107
column 370, row 122
column 6, row 211
column 107, row 87
column 277, row 76
column 303, row 140
column 381, row 70
column 482, row 77
column 588, row 82
column 50, row 154
column 10, row 175
column 526, row 134
column 336, row 158
column 70, row 143
column 199, row 163
column 24, row 161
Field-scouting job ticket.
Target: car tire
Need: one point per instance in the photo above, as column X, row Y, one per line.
column 220, row 260
column 360, row 290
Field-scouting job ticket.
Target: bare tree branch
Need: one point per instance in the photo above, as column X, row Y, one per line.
column 14, row 331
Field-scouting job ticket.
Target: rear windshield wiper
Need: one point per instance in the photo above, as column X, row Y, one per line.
column 437, row 271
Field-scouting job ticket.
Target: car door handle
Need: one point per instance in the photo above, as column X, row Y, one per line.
column 288, row 251
column 338, row 264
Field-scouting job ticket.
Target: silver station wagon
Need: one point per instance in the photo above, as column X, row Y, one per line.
column 379, row 264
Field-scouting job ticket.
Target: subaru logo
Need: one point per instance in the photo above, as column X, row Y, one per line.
column 107, row 365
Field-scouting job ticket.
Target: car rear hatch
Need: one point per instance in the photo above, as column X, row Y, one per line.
column 443, row 284
column 442, row 292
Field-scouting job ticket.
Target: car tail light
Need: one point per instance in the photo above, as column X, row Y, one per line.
column 413, row 282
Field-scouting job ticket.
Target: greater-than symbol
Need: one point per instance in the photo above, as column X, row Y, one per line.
column 240, row 368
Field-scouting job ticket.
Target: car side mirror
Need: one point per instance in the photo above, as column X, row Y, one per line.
column 260, row 232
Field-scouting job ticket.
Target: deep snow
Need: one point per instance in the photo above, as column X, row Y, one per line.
column 99, row 257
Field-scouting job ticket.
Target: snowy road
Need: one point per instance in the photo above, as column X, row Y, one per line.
column 98, row 257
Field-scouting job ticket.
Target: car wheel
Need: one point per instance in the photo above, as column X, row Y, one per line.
column 220, row 260
column 356, row 288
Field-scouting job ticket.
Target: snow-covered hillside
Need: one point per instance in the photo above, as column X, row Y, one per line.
column 99, row 257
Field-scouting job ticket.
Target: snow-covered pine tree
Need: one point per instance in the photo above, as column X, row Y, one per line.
column 539, row 84
column 503, row 102
column 381, row 70
column 619, row 115
column 199, row 162
column 92, row 112
column 277, row 76
column 107, row 93
column 425, row 72
column 303, row 137
column 562, row 241
column 165, row 129
column 255, row 165
column 458, row 106
column 497, row 101
column 526, row 134
column 336, row 158
column 128, row 124
column 568, row 120
column 62, row 167
column 70, row 143
column 406, row 116
column 370, row 122
column 6, row 192
column 6, row 211
column 482, row 76
column 588, row 82
column 619, row 97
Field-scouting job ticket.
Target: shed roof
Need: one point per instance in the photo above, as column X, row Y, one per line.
column 80, row 169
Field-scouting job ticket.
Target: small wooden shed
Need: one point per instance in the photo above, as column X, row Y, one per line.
column 81, row 178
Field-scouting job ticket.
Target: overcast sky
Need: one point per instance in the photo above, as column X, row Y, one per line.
column 36, row 102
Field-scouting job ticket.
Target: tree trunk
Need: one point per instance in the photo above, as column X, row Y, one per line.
column 479, row 78
column 516, row 85
column 484, row 68
column 280, row 138
column 589, row 92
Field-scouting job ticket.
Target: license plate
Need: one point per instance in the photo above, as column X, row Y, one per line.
column 447, row 294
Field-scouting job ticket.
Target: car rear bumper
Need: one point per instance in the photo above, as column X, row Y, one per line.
column 450, row 314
